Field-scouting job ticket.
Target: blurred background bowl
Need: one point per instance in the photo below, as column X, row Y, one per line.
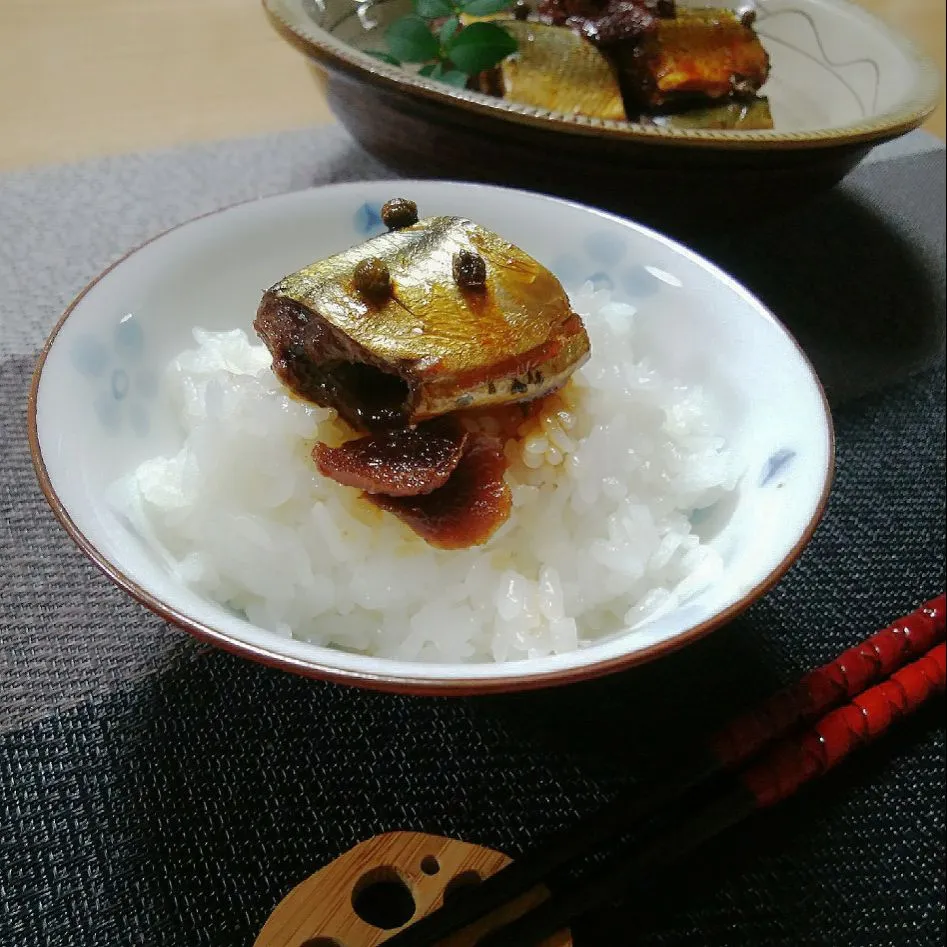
column 841, row 82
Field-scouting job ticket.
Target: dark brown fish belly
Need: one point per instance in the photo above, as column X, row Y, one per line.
column 401, row 463
column 468, row 509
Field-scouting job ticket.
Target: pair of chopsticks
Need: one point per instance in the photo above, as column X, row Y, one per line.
column 758, row 760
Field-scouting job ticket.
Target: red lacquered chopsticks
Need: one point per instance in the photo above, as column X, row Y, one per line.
column 832, row 684
column 788, row 764
column 779, row 773
column 892, row 671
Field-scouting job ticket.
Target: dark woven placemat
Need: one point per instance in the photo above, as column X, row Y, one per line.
column 154, row 792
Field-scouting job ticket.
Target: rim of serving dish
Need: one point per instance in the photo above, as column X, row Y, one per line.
column 430, row 685
column 910, row 113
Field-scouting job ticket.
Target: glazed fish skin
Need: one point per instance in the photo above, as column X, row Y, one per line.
column 558, row 70
column 704, row 54
column 736, row 115
column 430, row 347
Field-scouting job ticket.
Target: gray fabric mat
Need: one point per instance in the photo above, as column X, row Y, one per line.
column 153, row 791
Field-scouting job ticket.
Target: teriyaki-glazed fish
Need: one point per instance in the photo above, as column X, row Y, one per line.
column 698, row 57
column 400, row 333
column 558, row 70
column 434, row 316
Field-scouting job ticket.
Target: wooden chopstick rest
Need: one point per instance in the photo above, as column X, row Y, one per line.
column 372, row 891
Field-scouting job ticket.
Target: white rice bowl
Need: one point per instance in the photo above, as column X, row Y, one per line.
column 600, row 539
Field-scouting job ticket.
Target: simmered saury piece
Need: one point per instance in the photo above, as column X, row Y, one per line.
column 700, row 54
column 736, row 115
column 558, row 70
column 403, row 463
column 468, row 509
column 436, row 315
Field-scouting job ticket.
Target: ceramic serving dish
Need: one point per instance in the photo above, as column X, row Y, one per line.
column 98, row 404
column 841, row 82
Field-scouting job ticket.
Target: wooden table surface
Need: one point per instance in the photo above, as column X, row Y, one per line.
column 92, row 77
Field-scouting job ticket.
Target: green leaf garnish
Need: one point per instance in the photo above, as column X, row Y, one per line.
column 486, row 7
column 432, row 9
column 479, row 46
column 455, row 78
column 446, row 52
column 436, row 70
column 410, row 40
column 450, row 26
column 383, row 56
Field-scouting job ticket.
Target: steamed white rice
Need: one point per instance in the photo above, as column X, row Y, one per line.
column 599, row 539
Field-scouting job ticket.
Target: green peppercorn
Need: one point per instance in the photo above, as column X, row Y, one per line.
column 372, row 279
column 470, row 270
column 399, row 212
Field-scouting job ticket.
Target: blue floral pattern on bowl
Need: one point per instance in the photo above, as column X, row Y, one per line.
column 775, row 465
column 123, row 385
column 367, row 220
